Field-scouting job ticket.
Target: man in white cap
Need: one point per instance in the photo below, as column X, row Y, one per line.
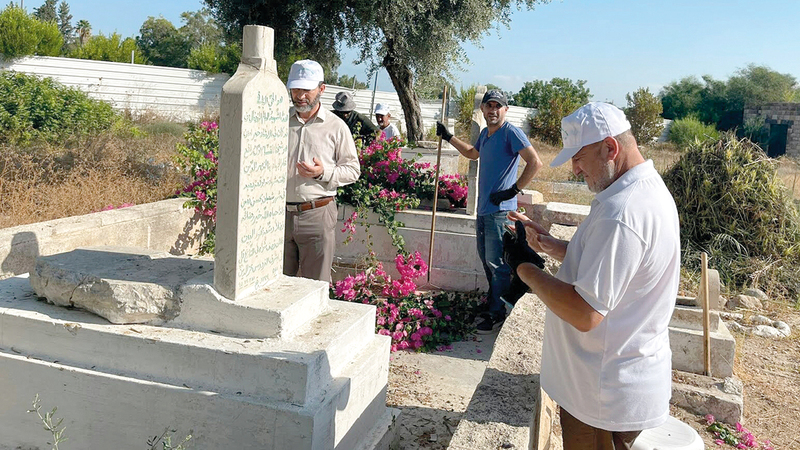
column 500, row 146
column 360, row 126
column 382, row 116
column 606, row 358
column 322, row 157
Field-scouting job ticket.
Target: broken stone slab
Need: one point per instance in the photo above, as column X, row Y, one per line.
column 120, row 284
column 565, row 213
column 706, row 395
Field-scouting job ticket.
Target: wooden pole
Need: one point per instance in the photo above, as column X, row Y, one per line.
column 436, row 184
column 706, row 314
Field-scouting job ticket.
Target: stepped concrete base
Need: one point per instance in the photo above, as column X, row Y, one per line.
column 117, row 385
column 279, row 310
column 723, row 398
column 686, row 340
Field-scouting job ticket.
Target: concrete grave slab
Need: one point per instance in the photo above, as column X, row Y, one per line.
column 120, row 284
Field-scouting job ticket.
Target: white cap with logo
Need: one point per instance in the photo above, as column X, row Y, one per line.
column 382, row 109
column 305, row 74
column 591, row 123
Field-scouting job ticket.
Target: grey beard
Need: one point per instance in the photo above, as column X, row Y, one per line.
column 311, row 105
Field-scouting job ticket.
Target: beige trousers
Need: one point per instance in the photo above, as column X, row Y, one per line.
column 310, row 242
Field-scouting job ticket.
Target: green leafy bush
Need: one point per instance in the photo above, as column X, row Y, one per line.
column 33, row 109
column 644, row 113
column 685, row 132
column 465, row 99
column 200, row 156
column 215, row 59
column 109, row 48
column 23, row 35
column 733, row 206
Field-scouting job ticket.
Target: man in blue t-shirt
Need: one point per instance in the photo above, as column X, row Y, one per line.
column 500, row 147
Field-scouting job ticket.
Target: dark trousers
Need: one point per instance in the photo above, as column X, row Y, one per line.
column 580, row 436
column 310, row 242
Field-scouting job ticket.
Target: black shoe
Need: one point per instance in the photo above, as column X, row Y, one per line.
column 490, row 324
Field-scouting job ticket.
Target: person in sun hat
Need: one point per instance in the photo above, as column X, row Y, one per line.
column 606, row 358
column 322, row 156
column 500, row 147
column 382, row 116
column 360, row 125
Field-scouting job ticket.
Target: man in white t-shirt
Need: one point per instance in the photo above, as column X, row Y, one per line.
column 382, row 116
column 606, row 358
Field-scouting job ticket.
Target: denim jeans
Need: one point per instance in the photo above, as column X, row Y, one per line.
column 489, row 230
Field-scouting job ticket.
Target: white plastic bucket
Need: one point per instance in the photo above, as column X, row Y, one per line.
column 672, row 435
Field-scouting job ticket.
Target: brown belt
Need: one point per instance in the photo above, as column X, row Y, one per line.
column 305, row 206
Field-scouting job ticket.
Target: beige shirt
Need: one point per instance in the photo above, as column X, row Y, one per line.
column 327, row 138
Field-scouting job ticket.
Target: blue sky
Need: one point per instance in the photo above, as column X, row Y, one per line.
column 617, row 46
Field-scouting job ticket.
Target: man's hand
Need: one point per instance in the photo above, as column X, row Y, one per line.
column 501, row 196
column 441, row 131
column 516, row 250
column 310, row 170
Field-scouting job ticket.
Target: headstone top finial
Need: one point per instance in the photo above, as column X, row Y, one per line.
column 258, row 46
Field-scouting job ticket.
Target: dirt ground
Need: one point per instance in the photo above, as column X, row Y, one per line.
column 433, row 402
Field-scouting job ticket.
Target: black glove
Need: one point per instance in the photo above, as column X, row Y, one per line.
column 517, row 251
column 441, row 130
column 516, row 290
column 501, row 196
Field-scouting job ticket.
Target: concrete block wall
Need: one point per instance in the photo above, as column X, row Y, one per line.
column 780, row 113
column 164, row 226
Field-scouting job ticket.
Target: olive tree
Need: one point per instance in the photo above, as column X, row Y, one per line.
column 411, row 39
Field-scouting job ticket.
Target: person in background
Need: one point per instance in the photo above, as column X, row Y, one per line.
column 322, row 156
column 499, row 146
column 606, row 358
column 360, row 125
column 382, row 116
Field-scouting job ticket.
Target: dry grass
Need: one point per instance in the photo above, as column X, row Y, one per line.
column 45, row 182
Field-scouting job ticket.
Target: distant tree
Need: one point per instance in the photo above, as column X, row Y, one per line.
column 162, row 44
column 681, row 98
column 538, row 93
column 109, row 48
column 65, row 24
column 553, row 100
column 199, row 28
column 84, row 30
column 22, row 34
column 644, row 113
column 350, row 81
column 46, row 12
column 214, row 58
column 722, row 103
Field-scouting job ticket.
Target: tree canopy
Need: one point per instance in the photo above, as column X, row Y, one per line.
column 411, row 39
column 722, row 102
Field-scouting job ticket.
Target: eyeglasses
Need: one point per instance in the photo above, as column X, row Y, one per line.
column 379, row 116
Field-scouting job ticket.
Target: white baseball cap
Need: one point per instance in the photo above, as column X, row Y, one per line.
column 382, row 109
column 591, row 123
column 305, row 74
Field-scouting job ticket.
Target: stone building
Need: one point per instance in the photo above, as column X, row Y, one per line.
column 784, row 138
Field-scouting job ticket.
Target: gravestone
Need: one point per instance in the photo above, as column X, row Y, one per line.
column 477, row 124
column 253, row 359
column 251, row 196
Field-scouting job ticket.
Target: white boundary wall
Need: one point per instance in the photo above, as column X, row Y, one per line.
column 176, row 94
column 184, row 94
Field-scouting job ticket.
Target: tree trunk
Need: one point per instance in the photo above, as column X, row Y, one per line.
column 403, row 81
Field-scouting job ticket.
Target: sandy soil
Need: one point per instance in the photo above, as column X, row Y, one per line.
column 433, row 391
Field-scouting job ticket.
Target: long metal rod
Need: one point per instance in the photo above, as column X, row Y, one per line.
column 436, row 185
column 706, row 314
